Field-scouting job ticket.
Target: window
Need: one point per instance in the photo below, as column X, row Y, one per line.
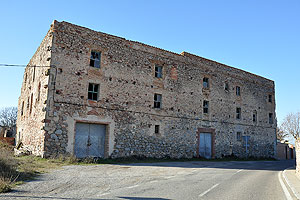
column 205, row 106
column 39, row 92
column 254, row 118
column 93, row 92
column 270, row 118
column 95, row 59
column 156, row 129
column 205, row 82
column 226, row 87
column 22, row 110
column 238, row 113
column 31, row 102
column 238, row 91
column 157, row 100
column 270, row 98
column 238, row 136
column 158, row 71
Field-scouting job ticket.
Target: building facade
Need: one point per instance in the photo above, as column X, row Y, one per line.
column 88, row 93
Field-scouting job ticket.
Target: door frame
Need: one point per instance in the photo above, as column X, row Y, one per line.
column 213, row 136
column 106, row 142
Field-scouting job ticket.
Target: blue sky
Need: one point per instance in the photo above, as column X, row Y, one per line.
column 262, row 37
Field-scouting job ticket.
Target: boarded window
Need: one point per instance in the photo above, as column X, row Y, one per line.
column 156, row 129
column 238, row 113
column 205, row 82
column 270, row 98
column 93, row 91
column 205, row 106
column 157, row 100
column 95, row 59
column 158, row 71
column 270, row 118
column 238, row 91
column 238, row 136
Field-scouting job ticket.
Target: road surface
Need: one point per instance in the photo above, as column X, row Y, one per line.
column 160, row 181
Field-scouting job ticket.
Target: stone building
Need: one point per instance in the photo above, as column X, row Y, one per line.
column 88, row 93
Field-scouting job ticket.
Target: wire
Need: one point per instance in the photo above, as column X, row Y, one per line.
column 22, row 66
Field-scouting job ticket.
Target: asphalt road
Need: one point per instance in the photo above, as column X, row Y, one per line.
column 159, row 181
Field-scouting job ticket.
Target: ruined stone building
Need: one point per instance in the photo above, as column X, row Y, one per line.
column 88, row 93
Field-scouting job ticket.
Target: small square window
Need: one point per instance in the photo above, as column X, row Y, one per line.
column 270, row 118
column 205, row 106
column 270, row 98
column 158, row 71
column 238, row 113
column 93, row 91
column 238, row 136
column 238, row 91
column 205, row 82
column 156, row 129
column 95, row 59
column 157, row 100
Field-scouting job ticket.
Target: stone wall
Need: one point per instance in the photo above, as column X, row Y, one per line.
column 297, row 144
column 33, row 103
column 127, row 88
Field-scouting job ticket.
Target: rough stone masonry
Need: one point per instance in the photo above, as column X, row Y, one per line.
column 87, row 93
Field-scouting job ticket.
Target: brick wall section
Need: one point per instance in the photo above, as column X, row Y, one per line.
column 127, row 86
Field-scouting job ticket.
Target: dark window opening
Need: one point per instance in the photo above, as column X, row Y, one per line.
column 238, row 91
column 95, row 59
column 254, row 118
column 39, row 91
column 158, row 71
column 22, row 110
column 33, row 76
column 205, row 82
column 238, row 113
column 238, row 136
column 157, row 100
column 226, row 87
column 205, row 106
column 156, row 129
column 93, row 91
column 270, row 98
column 270, row 118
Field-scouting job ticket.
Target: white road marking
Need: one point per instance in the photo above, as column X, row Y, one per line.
column 285, row 190
column 238, row 171
column 103, row 194
column 153, row 181
column 207, row 191
column 132, row 186
column 168, row 177
column 288, row 182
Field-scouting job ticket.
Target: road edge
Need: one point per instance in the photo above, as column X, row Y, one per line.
column 296, row 194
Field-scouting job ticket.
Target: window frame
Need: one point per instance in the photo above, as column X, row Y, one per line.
column 238, row 91
column 205, row 107
column 156, row 129
column 94, row 59
column 238, row 135
column 158, row 71
column 205, row 82
column 93, row 92
column 270, row 98
column 157, row 101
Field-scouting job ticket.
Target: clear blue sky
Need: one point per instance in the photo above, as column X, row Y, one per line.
column 262, row 37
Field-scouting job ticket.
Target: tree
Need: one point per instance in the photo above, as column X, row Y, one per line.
column 291, row 125
column 281, row 135
column 8, row 116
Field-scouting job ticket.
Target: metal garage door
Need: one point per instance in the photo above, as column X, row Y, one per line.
column 205, row 145
column 89, row 140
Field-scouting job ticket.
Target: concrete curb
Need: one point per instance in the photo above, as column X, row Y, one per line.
column 297, row 195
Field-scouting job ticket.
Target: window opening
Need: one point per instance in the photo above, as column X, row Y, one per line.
column 157, row 100
column 205, row 106
column 158, row 71
column 95, row 59
column 93, row 91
